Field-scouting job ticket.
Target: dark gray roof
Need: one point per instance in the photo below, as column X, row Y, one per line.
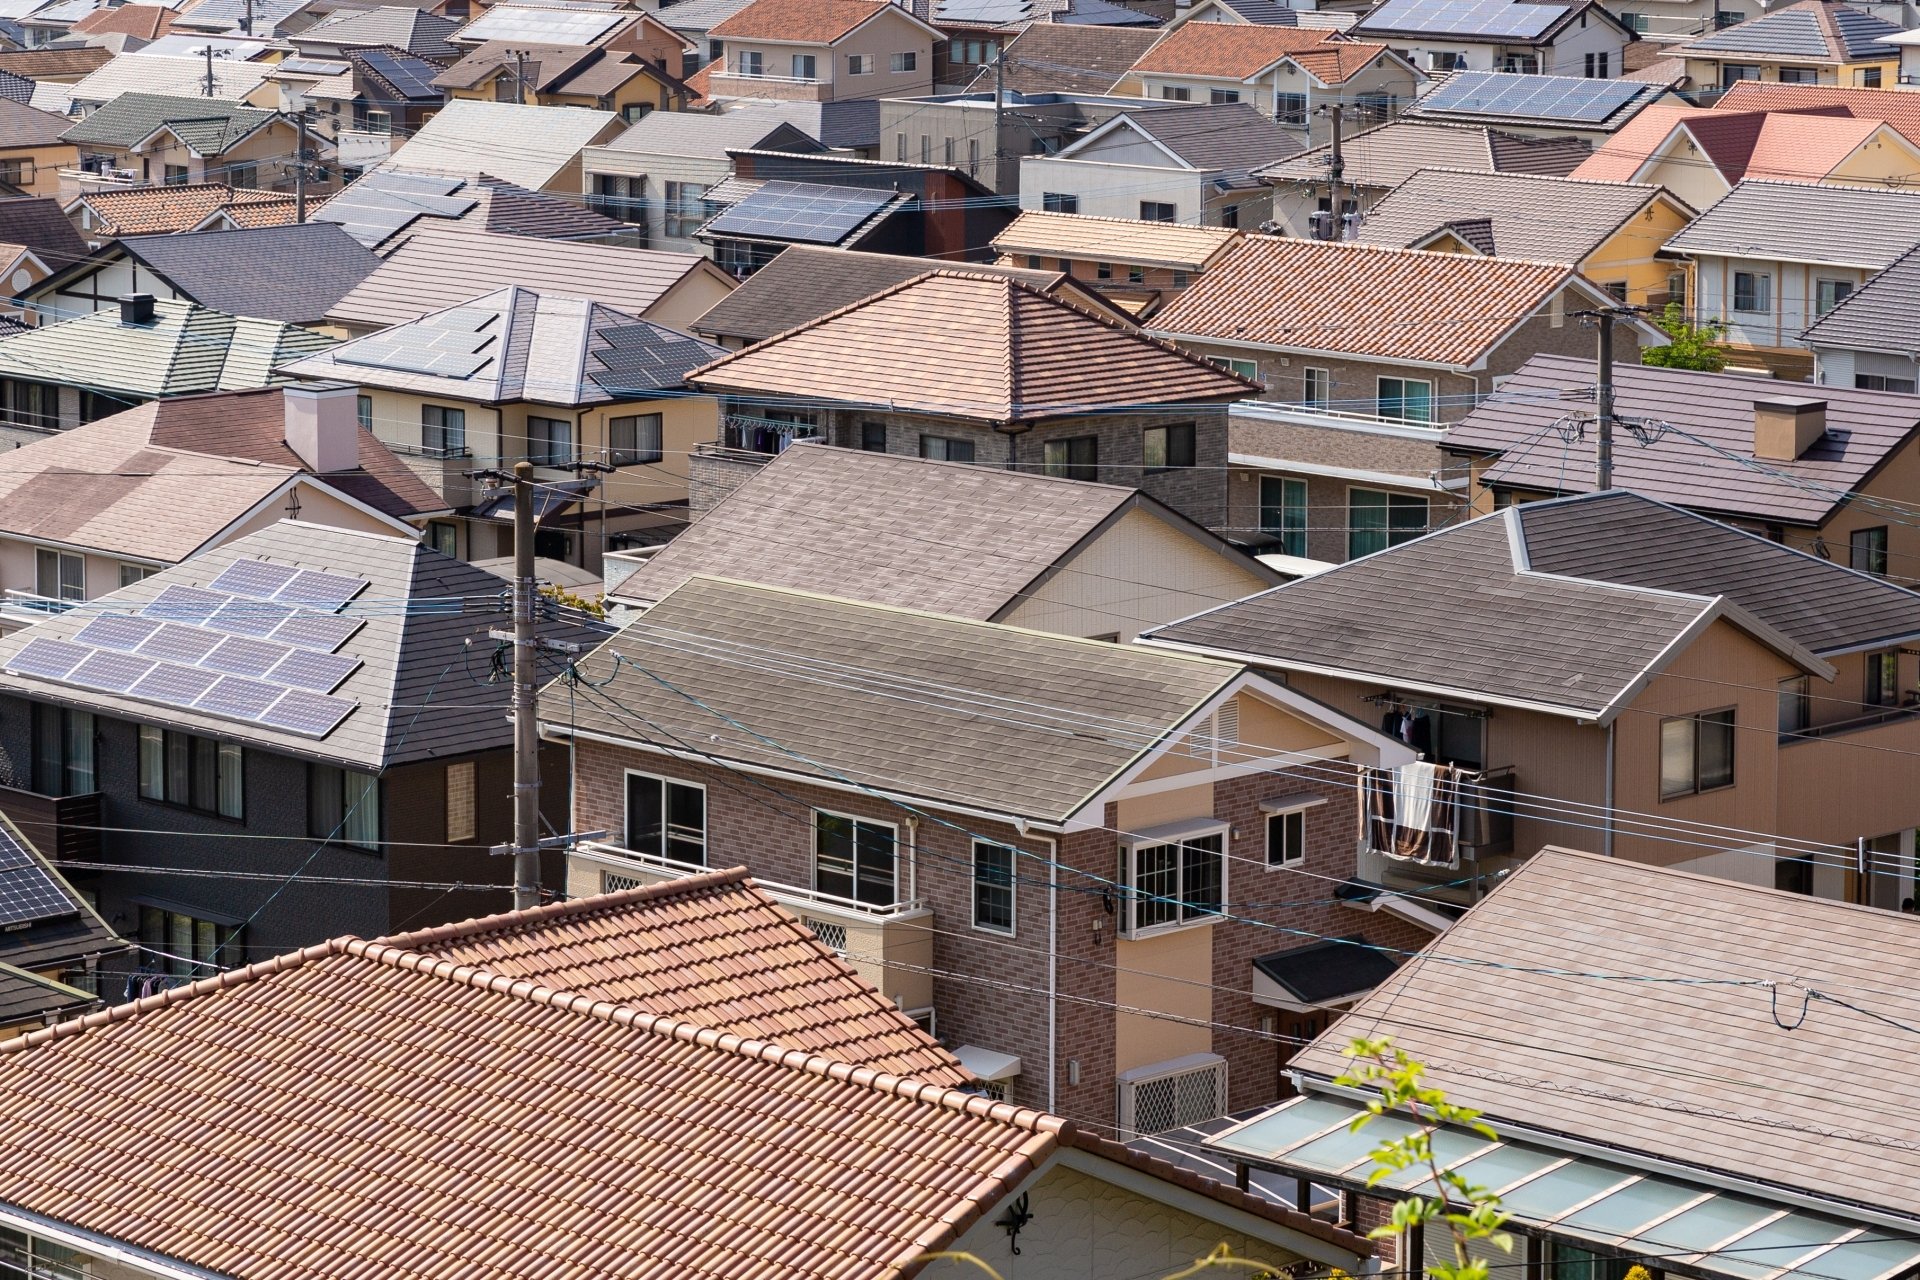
column 1864, row 429
column 414, row 698
column 1067, row 58
column 1231, row 137
column 700, row 16
column 1463, row 611
column 1878, row 316
column 294, row 273
column 397, row 26
column 1265, row 13
column 1329, row 969
column 1546, row 219
column 39, row 223
column 56, row 940
column 1760, row 219
column 1812, row 30
column 210, row 124
column 16, row 88
column 1626, row 538
column 763, row 126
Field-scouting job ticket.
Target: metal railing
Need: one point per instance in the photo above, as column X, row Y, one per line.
column 1867, row 720
column 33, row 606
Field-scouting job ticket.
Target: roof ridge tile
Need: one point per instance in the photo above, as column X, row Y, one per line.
column 522, row 917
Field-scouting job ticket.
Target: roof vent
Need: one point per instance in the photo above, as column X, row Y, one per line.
column 1784, row 428
column 136, row 308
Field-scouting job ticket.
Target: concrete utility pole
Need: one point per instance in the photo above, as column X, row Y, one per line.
column 300, row 165
column 999, row 111
column 1337, row 171
column 209, row 68
column 526, row 728
column 519, row 75
column 1603, row 474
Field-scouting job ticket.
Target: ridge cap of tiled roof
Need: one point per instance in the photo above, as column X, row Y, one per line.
column 1184, row 228
column 1515, row 175
column 817, row 321
column 1337, row 246
column 522, row 917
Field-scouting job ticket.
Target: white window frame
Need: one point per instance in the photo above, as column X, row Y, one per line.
column 1130, row 868
column 1308, row 377
column 1289, row 809
column 902, row 63
column 626, row 818
column 859, row 64
column 814, row 854
column 808, row 60
column 1013, row 889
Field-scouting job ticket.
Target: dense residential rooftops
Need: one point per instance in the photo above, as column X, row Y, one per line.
column 1504, row 97
column 1822, row 31
column 1527, row 215
column 1445, row 309
column 380, row 207
column 1387, row 155
column 1804, row 143
column 207, row 125
column 1897, row 107
column 1502, row 22
column 700, row 135
column 162, row 75
column 163, row 209
column 463, row 137
column 1229, row 138
column 1777, row 220
column 1176, row 245
column 145, row 21
column 36, row 63
column 38, row 225
column 294, row 272
column 1063, row 58
column 394, row 26
column 806, row 21
column 1837, row 1144
column 1721, row 475
column 943, row 343
column 1225, row 50
column 543, row 24
column 185, row 348
column 549, row 68
column 1878, row 316
column 1468, row 611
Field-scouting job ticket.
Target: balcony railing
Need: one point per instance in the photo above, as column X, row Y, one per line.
column 64, row 828
column 26, row 606
column 674, row 869
column 1471, row 814
column 1867, row 720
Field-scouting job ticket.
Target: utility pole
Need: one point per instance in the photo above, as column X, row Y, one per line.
column 1603, row 477
column 1337, row 172
column 246, row 23
column 999, row 112
column 300, row 165
column 519, row 75
column 526, row 728
column 209, row 68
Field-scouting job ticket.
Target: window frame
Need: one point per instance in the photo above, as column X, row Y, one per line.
column 541, row 440
column 1297, row 815
column 155, row 927
column 1185, row 915
column 1290, row 109
column 60, row 561
column 859, row 64
column 1060, row 202
column 941, row 448
column 900, row 64
column 1880, row 678
column 685, row 209
column 1759, row 293
column 64, row 728
column 1391, row 536
column 667, row 841
column 1293, row 539
column 639, row 455
column 155, row 773
column 363, row 411
column 1011, row 888
column 853, row 874
column 1172, row 211
column 1310, row 375
column 750, row 62
column 809, row 61
column 1867, row 550
column 1177, row 441
column 1066, row 468
column 347, row 831
column 1717, row 716
column 470, row 829
column 1795, row 698
column 1382, row 399
column 452, row 423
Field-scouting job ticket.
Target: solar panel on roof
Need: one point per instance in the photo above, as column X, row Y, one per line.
column 320, row 672
column 324, row 632
column 252, row 617
column 186, row 604
column 117, row 632
column 242, row 656
column 457, row 344
column 539, row 26
column 1509, row 18
column 1544, row 97
column 173, row 684
column 801, row 211
column 27, row 891
column 238, row 697
column 380, row 203
column 255, row 579
column 309, row 713
column 403, row 76
column 321, row 590
column 49, row 658
column 108, row 671
column 176, row 642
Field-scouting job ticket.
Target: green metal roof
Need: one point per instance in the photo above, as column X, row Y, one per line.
column 208, row 125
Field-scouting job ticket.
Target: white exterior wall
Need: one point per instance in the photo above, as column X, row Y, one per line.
column 658, row 170
column 1566, row 56
column 1571, row 47
column 1113, row 190
column 1837, row 367
column 1794, row 290
column 112, row 281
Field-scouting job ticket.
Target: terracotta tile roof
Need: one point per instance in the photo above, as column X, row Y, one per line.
column 1803, row 142
column 40, row 64
column 147, row 21
column 1899, row 108
column 1402, row 304
column 1336, row 63
column 974, row 345
column 713, row 950
column 156, row 210
column 1181, row 246
column 802, row 21
column 1234, row 50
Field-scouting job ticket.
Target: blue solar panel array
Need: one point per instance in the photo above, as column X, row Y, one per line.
column 411, row 76
column 257, row 645
column 1496, row 93
column 1495, row 19
column 27, row 891
column 805, row 212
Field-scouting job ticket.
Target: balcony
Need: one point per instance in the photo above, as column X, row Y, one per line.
column 64, row 828
column 363, row 148
column 24, row 608
column 1472, row 823
column 890, row 946
column 735, row 84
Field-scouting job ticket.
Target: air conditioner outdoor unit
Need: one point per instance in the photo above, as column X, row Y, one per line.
column 1172, row 1094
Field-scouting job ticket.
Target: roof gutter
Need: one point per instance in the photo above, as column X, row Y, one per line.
column 1230, row 341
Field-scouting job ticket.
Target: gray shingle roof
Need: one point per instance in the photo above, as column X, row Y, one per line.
column 710, row 137
column 1864, row 429
column 293, row 273
column 1760, row 219
column 415, row 700
column 396, row 26
column 1532, row 216
column 230, row 15
column 1067, row 58
column 1231, row 138
column 38, row 223
column 1387, row 155
column 700, row 16
column 208, row 125
column 1878, row 316
column 22, row 125
column 824, row 678
column 1810, row 31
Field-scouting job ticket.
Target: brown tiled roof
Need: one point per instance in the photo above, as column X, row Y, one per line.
column 1802, row 142
column 974, row 346
column 1402, row 304
column 1899, row 108
column 147, row 21
column 803, row 21
column 1231, row 49
column 1182, row 246
column 38, row 64
column 156, row 210
column 1057, row 57
column 712, row 950
column 1337, row 62
column 24, row 126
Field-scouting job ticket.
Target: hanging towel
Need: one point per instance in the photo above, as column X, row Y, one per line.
column 1413, row 796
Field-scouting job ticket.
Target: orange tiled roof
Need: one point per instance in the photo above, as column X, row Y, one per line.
column 1622, row 154
column 147, row 21
column 974, row 346
column 1798, row 142
column 1227, row 49
column 802, row 21
column 1402, row 304
column 712, row 950
column 159, row 210
column 1336, row 62
column 1899, row 108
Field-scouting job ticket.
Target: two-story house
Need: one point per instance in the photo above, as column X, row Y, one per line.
column 1112, row 892
column 33, row 148
column 1809, row 42
column 1575, row 38
column 822, row 51
column 1866, row 341
column 176, row 140
column 1138, row 265
column 563, row 75
column 465, row 137
column 55, row 944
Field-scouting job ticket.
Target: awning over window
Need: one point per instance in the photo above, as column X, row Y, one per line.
column 1320, row 975
column 1676, row 1222
column 987, row 1064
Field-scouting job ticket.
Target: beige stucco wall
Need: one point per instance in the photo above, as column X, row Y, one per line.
column 46, row 163
column 691, row 297
column 1170, row 973
column 1629, row 255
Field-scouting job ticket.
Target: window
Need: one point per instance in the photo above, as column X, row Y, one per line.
column 993, row 887
column 1444, row 60
column 17, row 173
column 859, row 64
column 803, row 66
column 1245, row 368
column 244, row 176
column 854, row 858
column 926, row 148
column 905, row 62
column 62, row 751
column 1229, row 215
column 1316, row 387
column 1075, row 458
column 1882, row 685
column 549, row 441
column 900, row 147
column 343, row 806
column 873, row 437
column 1176, row 882
column 1867, row 550
column 1103, row 271
column 1287, row 838
column 1164, row 448
column 1828, row 294
column 667, row 819
column 1176, row 93
column 973, row 157
column 60, row 575
column 1377, row 520
column 443, row 431
column 1220, row 97
column 1616, row 289
column 377, row 122
column 1799, row 75
column 95, row 405
column 1732, row 73
column 634, row 112
column 1181, row 281
column 1867, row 77
column 444, row 536
column 175, row 175
column 620, row 198
column 1059, row 202
column 1795, row 705
column 971, row 52
column 460, row 801
column 1290, row 108
column 946, row 153
column 193, row 772
column 1597, row 66
column 1136, row 275
column 1157, row 211
column 1408, row 399
column 1033, row 262
column 687, row 208
column 1696, row 753
column 194, row 948
column 1878, row 382
column 132, row 573
column 32, row 404
column 506, row 87
column 1283, row 513
column 750, row 64
column 945, row 449
column 363, row 412
column 634, row 439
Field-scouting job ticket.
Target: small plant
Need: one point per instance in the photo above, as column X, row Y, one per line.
column 1689, row 346
column 568, row 600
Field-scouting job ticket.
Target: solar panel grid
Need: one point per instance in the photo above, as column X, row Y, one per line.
column 251, row 617
column 255, row 579
column 320, row 672
column 173, row 684
column 320, row 590
column 27, row 890
column 315, row 714
column 49, row 658
column 241, row 656
column 12, row 852
column 238, row 697
column 108, row 671
column 177, row 642
column 186, row 604
column 324, row 632
column 117, row 632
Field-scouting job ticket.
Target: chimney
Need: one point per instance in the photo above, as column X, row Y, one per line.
column 1786, row 427
column 136, row 308
column 323, row 425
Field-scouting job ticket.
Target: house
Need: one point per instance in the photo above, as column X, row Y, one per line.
column 393, row 95
column 1865, row 341
column 539, row 24
column 980, row 368
column 805, row 283
column 822, row 51
column 1376, row 160
column 865, row 1174
column 1666, row 1162
column 294, row 273
column 1732, row 714
column 39, row 226
column 168, row 76
column 144, row 211
column 1700, row 155
column 1614, row 233
column 55, row 945
column 1892, row 105
column 1821, row 469
column 347, row 751
column 385, row 209
column 1577, row 38
column 443, row 262
column 1049, row 57
column 975, row 33
column 1410, row 335
column 1767, row 284
column 1136, row 265
column 1179, row 164
column 564, row 75
column 1266, row 13
column 1538, row 106
column 559, row 380
column 876, row 842
column 1290, row 73
column 254, row 18
column 988, row 138
column 162, row 139
column 76, row 371
column 411, row 30
column 32, row 150
column 914, row 533
column 463, row 138
column 198, row 471
column 657, row 174
column 55, row 66
column 1807, row 42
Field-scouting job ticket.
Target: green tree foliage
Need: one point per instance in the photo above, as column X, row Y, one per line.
column 1690, row 346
